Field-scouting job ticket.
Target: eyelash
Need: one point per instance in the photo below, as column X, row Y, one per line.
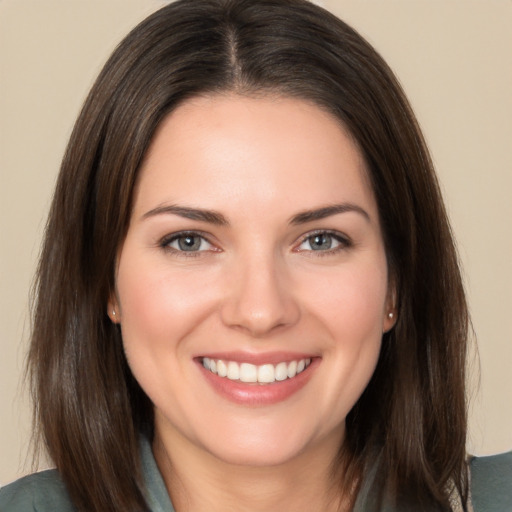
column 343, row 241
column 169, row 239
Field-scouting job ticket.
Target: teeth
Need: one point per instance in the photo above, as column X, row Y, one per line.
column 233, row 371
column 281, row 372
column 266, row 373
column 222, row 369
column 250, row 373
column 292, row 369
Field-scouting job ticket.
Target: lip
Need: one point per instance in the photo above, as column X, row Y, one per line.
column 258, row 358
column 255, row 394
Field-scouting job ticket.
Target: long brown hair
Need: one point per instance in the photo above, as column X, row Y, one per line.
column 89, row 410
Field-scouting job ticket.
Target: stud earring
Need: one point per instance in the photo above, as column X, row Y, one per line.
column 113, row 312
column 391, row 315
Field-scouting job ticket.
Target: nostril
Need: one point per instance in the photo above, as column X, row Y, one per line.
column 259, row 300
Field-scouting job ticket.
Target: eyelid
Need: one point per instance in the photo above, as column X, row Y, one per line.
column 166, row 240
column 344, row 240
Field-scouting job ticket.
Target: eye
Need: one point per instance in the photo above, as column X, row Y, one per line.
column 187, row 242
column 323, row 241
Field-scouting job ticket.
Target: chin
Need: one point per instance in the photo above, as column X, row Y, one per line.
column 265, row 447
column 256, row 456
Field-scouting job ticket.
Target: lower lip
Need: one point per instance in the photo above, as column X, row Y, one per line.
column 253, row 394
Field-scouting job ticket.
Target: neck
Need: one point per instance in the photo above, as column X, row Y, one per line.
column 198, row 481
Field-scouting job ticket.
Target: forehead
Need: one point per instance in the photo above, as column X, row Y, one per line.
column 218, row 149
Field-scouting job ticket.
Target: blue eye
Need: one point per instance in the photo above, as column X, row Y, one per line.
column 187, row 242
column 323, row 241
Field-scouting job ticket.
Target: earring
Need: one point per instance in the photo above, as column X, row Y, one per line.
column 390, row 315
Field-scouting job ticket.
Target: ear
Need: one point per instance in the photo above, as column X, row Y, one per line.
column 113, row 311
column 389, row 321
column 390, row 309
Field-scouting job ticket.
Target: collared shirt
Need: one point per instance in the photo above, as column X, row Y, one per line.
column 491, row 488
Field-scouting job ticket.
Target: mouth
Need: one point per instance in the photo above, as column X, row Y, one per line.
column 255, row 374
column 266, row 380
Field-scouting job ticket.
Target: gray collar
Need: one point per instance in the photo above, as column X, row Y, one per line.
column 158, row 498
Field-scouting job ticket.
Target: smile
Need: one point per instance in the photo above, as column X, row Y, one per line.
column 250, row 373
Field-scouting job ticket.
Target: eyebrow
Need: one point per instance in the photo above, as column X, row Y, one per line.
column 210, row 216
column 327, row 211
column 216, row 218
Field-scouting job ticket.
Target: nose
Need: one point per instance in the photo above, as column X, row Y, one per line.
column 259, row 298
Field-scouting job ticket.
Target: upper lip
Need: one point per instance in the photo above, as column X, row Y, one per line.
column 258, row 358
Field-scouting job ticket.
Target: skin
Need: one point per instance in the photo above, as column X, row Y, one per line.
column 255, row 286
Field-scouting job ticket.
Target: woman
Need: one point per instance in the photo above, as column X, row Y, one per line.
column 242, row 286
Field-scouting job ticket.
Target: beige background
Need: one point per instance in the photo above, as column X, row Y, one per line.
column 454, row 60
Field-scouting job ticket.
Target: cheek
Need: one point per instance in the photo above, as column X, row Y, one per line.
column 348, row 307
column 143, row 332
column 155, row 302
column 141, row 302
column 158, row 308
column 350, row 301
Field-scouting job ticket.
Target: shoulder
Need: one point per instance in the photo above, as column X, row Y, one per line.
column 40, row 492
column 491, row 483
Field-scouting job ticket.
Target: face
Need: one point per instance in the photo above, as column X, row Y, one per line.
column 252, row 286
